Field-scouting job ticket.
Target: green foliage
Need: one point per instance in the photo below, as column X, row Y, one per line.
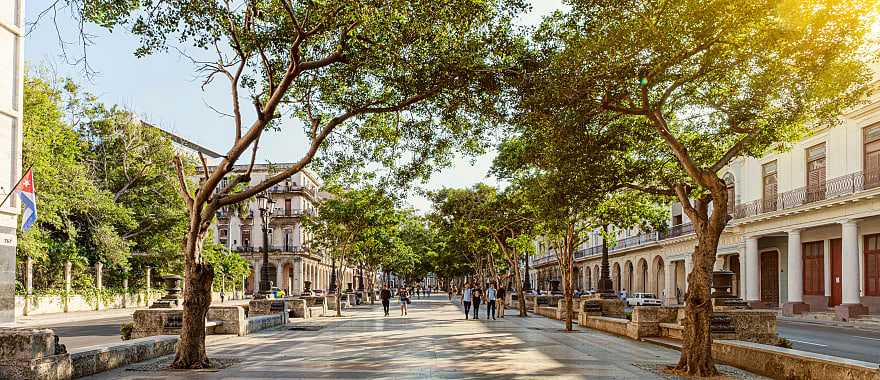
column 125, row 330
column 229, row 267
column 104, row 187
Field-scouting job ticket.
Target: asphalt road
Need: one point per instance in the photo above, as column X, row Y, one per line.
column 90, row 332
column 837, row 341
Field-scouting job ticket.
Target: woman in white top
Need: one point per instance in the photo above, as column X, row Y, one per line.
column 466, row 298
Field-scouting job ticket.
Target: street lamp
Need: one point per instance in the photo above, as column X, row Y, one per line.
column 332, row 289
column 266, row 205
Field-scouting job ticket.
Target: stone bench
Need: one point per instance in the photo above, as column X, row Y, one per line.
column 671, row 330
column 90, row 360
column 786, row 363
column 263, row 322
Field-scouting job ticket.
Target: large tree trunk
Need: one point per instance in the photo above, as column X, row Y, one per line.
column 521, row 299
column 696, row 352
column 338, row 275
column 198, row 277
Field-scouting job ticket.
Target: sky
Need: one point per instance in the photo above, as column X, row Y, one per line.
column 164, row 90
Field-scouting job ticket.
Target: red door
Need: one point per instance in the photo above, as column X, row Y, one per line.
column 836, row 290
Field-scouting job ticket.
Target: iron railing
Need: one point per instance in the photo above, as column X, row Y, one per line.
column 830, row 189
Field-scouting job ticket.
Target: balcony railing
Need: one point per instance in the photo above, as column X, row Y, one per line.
column 285, row 213
column 830, row 189
column 284, row 188
column 275, row 248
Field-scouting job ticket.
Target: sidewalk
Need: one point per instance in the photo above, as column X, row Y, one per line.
column 434, row 341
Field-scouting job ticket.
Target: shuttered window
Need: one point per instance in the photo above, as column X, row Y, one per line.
column 872, row 156
column 872, row 265
column 815, row 173
column 814, row 268
column 769, row 181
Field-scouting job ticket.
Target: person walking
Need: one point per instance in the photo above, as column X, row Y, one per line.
column 385, row 295
column 501, row 302
column 477, row 294
column 430, row 288
column 466, row 299
column 403, row 295
column 491, row 297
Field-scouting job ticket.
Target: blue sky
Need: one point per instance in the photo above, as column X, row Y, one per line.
column 164, row 90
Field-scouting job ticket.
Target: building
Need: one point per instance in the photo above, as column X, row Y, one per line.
column 11, row 130
column 291, row 262
column 804, row 234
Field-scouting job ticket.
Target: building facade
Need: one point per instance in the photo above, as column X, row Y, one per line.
column 291, row 262
column 804, row 234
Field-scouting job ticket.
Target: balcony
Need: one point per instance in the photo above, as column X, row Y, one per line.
column 288, row 188
column 288, row 248
column 834, row 188
column 285, row 213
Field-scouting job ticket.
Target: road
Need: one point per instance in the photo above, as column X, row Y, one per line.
column 829, row 340
column 89, row 332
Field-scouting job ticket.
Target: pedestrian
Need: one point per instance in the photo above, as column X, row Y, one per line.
column 403, row 295
column 466, row 299
column 623, row 294
column 491, row 295
column 222, row 295
column 477, row 294
column 501, row 302
column 385, row 295
column 430, row 288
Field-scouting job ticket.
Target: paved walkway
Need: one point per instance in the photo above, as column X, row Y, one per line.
column 434, row 341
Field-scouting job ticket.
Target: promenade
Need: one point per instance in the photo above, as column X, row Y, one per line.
column 434, row 341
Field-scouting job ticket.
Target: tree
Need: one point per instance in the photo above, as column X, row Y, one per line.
column 711, row 81
column 417, row 76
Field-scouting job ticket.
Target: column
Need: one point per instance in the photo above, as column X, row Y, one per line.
column 29, row 285
column 257, row 279
column 795, row 304
column 67, row 280
column 826, row 264
column 688, row 267
column 125, row 290
column 669, row 282
column 849, row 264
column 296, row 288
column 279, row 275
column 719, row 263
column 99, row 283
column 752, row 271
column 149, row 286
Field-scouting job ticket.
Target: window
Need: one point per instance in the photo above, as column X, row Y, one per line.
column 729, row 181
column 676, row 220
column 246, row 237
column 871, row 162
column 872, row 265
column 815, row 173
column 814, row 268
column 769, row 183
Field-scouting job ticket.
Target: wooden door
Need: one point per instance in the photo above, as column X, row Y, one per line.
column 836, row 289
column 770, row 278
column 872, row 156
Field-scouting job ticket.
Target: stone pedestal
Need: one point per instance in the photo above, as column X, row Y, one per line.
column 331, row 301
column 234, row 321
column 846, row 312
column 596, row 305
column 33, row 354
column 7, row 269
column 152, row 322
column 792, row 308
column 172, row 299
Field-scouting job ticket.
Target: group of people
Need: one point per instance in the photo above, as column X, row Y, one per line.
column 472, row 297
column 403, row 296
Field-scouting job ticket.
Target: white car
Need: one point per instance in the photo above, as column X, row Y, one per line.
column 643, row 299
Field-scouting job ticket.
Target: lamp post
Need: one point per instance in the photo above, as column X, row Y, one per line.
column 527, row 282
column 332, row 289
column 265, row 204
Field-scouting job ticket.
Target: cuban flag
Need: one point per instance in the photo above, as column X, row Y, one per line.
column 28, row 199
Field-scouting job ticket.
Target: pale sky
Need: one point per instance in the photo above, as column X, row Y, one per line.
column 164, row 90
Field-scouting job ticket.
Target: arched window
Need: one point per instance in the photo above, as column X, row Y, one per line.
column 730, row 182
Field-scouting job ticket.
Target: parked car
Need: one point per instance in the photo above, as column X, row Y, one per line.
column 643, row 299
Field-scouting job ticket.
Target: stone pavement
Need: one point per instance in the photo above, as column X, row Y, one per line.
column 434, row 341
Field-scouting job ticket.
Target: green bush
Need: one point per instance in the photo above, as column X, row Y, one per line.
column 125, row 330
column 782, row 342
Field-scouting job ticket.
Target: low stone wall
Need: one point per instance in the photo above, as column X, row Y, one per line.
column 153, row 322
column 757, row 326
column 612, row 325
column 784, row 363
column 88, row 361
column 232, row 317
column 560, row 309
column 263, row 322
column 546, row 311
column 671, row 330
column 36, row 305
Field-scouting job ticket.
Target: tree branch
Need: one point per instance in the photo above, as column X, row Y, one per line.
column 184, row 189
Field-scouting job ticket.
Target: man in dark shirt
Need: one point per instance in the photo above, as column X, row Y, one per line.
column 385, row 295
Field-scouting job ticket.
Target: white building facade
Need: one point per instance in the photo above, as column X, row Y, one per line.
column 291, row 262
column 804, row 234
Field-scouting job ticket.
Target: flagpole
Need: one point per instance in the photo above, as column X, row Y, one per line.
column 16, row 185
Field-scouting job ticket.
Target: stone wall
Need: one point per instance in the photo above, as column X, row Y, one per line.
column 36, row 305
column 612, row 325
column 32, row 354
column 232, row 318
column 152, row 322
column 757, row 326
column 263, row 322
column 783, row 363
column 88, row 361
